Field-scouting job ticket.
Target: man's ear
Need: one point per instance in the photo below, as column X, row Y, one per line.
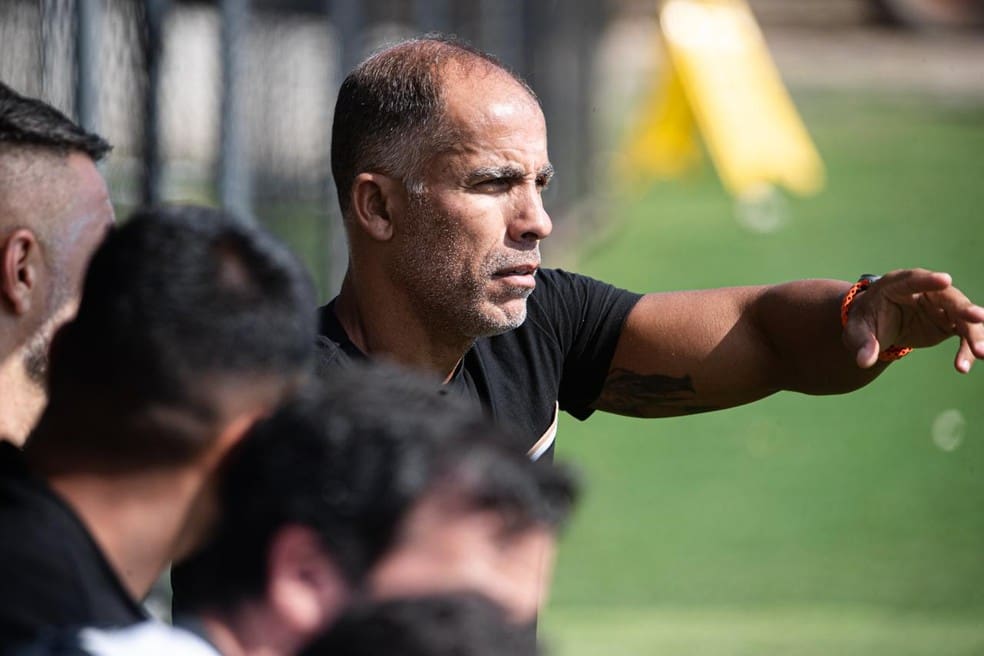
column 305, row 589
column 376, row 198
column 20, row 270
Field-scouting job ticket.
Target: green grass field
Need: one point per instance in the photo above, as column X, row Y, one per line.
column 797, row 525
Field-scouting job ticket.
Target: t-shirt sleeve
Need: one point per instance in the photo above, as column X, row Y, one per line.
column 586, row 316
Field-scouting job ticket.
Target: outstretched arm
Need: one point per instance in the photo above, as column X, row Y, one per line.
column 687, row 352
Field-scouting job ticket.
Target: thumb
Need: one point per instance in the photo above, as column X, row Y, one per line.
column 861, row 341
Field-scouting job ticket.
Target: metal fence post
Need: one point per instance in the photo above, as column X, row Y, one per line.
column 349, row 19
column 432, row 15
column 501, row 30
column 234, row 165
column 88, row 24
column 155, row 11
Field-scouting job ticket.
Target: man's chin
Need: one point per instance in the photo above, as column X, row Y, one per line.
column 501, row 318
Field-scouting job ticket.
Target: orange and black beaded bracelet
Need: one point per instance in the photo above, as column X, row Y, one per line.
column 890, row 354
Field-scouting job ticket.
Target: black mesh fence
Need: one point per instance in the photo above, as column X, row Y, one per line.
column 229, row 102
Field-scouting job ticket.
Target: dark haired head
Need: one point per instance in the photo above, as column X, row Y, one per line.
column 30, row 122
column 184, row 310
column 389, row 117
column 350, row 461
column 439, row 625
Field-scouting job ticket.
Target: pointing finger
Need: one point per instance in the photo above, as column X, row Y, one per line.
column 965, row 359
column 915, row 281
column 973, row 314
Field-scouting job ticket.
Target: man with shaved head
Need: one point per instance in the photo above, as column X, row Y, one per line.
column 54, row 211
column 440, row 156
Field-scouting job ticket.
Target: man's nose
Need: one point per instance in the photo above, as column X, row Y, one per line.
column 531, row 222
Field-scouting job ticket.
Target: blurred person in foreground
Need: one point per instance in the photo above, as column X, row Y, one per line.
column 192, row 325
column 448, row 624
column 54, row 211
column 437, row 625
column 375, row 486
column 439, row 155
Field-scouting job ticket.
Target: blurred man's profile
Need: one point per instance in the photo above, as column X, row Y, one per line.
column 373, row 486
column 54, row 211
column 192, row 325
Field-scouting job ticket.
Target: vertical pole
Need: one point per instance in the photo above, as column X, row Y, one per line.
column 349, row 19
column 432, row 15
column 588, row 34
column 556, row 75
column 500, row 28
column 88, row 21
column 234, row 165
column 46, row 46
column 150, row 185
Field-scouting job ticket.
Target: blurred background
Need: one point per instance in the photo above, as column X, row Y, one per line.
column 797, row 526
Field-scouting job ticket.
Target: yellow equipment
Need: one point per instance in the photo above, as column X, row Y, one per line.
column 719, row 80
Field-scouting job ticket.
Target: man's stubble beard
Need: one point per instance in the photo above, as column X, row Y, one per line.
column 35, row 359
column 37, row 351
column 451, row 298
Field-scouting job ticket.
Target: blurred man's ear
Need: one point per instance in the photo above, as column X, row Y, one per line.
column 305, row 589
column 20, row 270
column 376, row 200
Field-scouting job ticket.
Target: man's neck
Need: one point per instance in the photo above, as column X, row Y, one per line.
column 21, row 401
column 382, row 324
column 138, row 519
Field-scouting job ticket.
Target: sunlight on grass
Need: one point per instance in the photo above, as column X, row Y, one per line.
column 866, row 506
column 843, row 631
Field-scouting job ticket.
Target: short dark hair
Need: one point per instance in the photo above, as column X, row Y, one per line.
column 390, row 109
column 32, row 122
column 178, row 303
column 350, row 460
column 436, row 625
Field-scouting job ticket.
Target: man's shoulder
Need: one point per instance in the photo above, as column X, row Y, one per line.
column 556, row 280
column 40, row 550
column 555, row 289
column 573, row 298
column 333, row 348
column 28, row 508
column 569, row 288
column 52, row 570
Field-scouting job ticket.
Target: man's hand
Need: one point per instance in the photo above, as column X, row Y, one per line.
column 913, row 307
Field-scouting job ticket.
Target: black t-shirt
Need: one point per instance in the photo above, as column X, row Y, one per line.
column 52, row 573
column 558, row 357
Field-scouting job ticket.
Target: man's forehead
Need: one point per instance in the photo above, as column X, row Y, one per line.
column 494, row 127
column 491, row 96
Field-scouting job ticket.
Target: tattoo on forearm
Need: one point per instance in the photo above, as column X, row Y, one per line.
column 648, row 395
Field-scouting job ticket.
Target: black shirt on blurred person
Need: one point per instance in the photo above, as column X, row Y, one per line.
column 53, row 572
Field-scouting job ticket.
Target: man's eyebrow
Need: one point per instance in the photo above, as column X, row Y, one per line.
column 546, row 171
column 506, row 171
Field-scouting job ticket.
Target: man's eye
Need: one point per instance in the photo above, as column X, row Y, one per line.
column 494, row 184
